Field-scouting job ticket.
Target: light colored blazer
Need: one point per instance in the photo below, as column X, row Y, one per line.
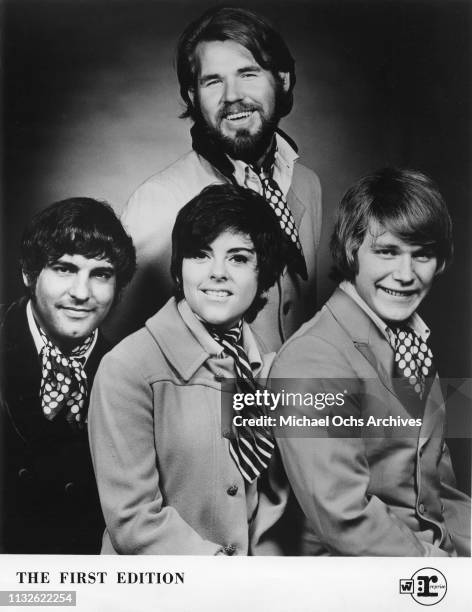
column 383, row 494
column 149, row 218
column 166, row 480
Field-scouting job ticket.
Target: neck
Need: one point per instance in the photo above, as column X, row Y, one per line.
column 221, row 329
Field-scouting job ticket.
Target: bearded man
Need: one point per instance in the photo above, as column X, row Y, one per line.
column 236, row 78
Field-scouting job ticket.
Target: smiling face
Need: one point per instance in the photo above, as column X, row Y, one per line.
column 237, row 98
column 393, row 276
column 220, row 282
column 72, row 296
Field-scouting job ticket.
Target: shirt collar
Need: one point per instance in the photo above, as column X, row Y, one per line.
column 210, row 345
column 415, row 322
column 285, row 157
column 38, row 341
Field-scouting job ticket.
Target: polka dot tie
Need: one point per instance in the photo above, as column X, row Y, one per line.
column 274, row 196
column 64, row 381
column 413, row 358
column 252, row 447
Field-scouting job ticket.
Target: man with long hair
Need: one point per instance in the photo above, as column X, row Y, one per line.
column 236, row 77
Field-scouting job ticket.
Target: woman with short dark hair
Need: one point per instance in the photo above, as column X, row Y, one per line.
column 174, row 474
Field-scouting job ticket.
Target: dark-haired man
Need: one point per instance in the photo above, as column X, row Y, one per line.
column 236, row 78
column 75, row 259
column 375, row 477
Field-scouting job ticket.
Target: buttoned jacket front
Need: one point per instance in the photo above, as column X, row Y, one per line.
column 167, row 482
column 374, row 490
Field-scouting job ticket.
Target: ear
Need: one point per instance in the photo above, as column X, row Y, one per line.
column 191, row 95
column 440, row 269
column 27, row 282
column 285, row 80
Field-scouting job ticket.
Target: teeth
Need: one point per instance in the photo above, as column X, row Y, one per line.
column 396, row 293
column 236, row 116
column 217, row 293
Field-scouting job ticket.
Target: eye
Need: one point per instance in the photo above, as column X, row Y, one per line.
column 62, row 269
column 211, row 82
column 239, row 258
column 424, row 255
column 201, row 254
column 385, row 252
column 105, row 274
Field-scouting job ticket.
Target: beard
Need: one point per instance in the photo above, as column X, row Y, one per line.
column 244, row 145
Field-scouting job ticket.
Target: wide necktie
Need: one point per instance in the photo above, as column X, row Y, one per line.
column 274, row 196
column 413, row 358
column 251, row 447
column 64, row 381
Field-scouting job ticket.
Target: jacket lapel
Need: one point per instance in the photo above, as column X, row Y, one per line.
column 22, row 374
column 176, row 340
column 434, row 413
column 365, row 335
column 295, row 204
column 369, row 341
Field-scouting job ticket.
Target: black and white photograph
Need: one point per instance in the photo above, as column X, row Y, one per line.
column 235, row 304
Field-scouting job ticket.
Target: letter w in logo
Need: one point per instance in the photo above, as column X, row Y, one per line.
column 406, row 586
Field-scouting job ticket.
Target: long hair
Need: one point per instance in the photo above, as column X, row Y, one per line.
column 404, row 202
column 242, row 26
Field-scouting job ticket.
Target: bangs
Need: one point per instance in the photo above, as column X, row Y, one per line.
column 199, row 236
column 413, row 219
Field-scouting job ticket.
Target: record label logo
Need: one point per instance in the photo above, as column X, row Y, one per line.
column 427, row 586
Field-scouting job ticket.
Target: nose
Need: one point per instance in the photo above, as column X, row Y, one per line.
column 232, row 91
column 404, row 270
column 218, row 269
column 80, row 287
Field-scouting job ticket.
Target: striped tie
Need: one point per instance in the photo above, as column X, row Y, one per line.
column 252, row 447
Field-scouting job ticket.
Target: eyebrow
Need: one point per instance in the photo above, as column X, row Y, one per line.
column 248, row 249
column 106, row 266
column 392, row 245
column 233, row 250
column 384, row 245
column 250, row 68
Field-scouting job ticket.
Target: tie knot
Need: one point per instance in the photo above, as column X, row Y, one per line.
column 402, row 334
column 231, row 336
column 78, row 352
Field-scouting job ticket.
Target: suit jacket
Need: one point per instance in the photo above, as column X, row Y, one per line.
column 149, row 218
column 49, row 498
column 167, row 482
column 366, row 490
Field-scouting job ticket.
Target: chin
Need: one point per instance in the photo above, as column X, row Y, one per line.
column 245, row 144
column 78, row 333
column 397, row 317
column 221, row 321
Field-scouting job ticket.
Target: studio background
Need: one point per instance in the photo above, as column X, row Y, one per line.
column 91, row 105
